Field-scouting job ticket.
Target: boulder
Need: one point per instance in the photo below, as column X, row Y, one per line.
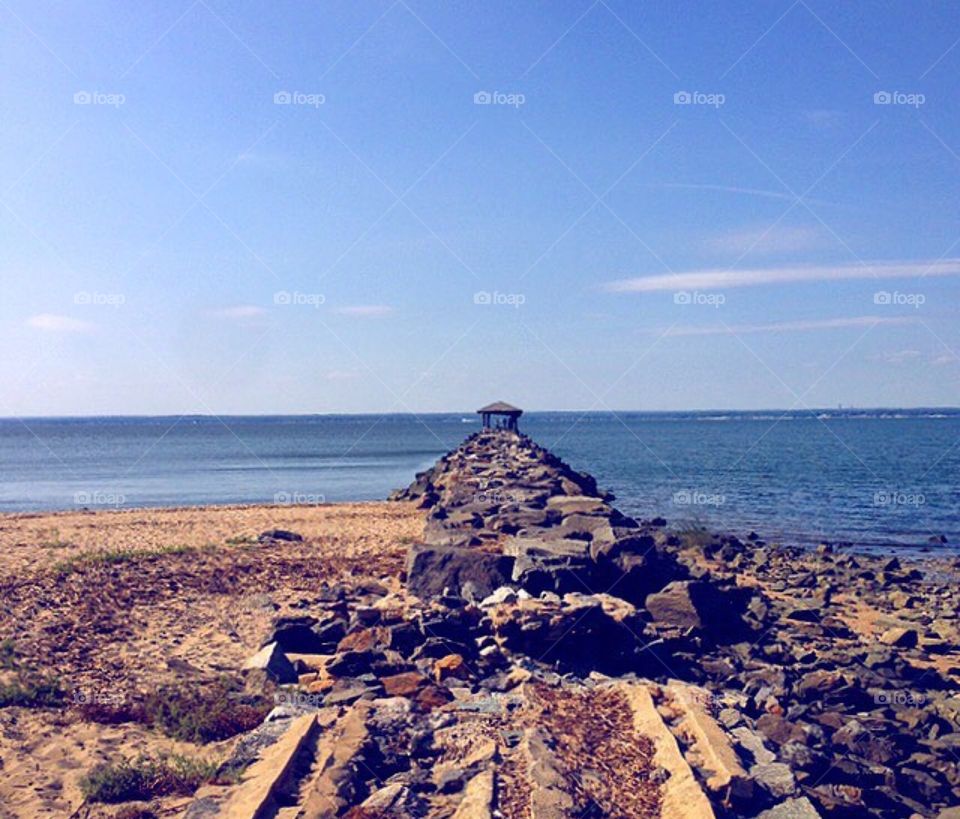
column 474, row 575
column 274, row 662
column 693, row 604
column 900, row 637
column 775, row 778
column 801, row 808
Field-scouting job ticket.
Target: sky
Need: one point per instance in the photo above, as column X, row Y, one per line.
column 275, row 207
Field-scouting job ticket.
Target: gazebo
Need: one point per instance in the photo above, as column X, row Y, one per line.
column 500, row 415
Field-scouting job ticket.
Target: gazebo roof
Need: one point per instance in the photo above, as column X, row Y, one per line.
column 501, row 407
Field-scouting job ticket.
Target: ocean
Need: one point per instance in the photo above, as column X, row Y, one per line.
column 876, row 480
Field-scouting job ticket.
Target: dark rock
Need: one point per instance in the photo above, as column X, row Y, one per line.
column 274, row 662
column 694, row 604
column 474, row 575
column 780, row 730
column 279, row 534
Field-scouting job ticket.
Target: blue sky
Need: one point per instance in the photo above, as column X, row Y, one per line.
column 291, row 207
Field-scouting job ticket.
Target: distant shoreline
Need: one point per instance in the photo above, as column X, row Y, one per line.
column 813, row 412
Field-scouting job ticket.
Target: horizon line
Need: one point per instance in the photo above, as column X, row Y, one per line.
column 214, row 416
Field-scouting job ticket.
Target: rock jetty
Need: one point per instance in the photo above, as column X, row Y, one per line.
column 546, row 655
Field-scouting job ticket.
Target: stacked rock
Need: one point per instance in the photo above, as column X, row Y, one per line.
column 539, row 524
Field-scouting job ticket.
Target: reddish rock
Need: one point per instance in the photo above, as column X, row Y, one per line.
column 453, row 665
column 433, row 696
column 366, row 639
column 403, row 685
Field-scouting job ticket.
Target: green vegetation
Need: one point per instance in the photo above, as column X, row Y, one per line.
column 110, row 557
column 242, row 540
column 8, row 656
column 203, row 713
column 32, row 690
column 144, row 778
column 28, row 688
column 52, row 540
column 199, row 712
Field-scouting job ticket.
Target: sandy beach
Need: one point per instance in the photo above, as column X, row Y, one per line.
column 113, row 603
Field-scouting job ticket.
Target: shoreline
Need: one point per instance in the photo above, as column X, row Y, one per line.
column 780, row 540
column 125, row 605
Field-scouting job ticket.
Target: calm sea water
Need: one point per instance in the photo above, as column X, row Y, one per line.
column 879, row 479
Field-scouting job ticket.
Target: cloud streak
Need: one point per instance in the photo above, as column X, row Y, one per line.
column 758, row 192
column 720, row 279
column 240, row 311
column 53, row 323
column 365, row 310
column 789, row 326
column 779, row 239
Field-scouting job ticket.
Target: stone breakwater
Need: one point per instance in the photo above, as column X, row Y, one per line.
column 547, row 656
column 541, row 525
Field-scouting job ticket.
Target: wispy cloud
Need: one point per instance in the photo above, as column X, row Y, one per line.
column 342, row 375
column 53, row 323
column 239, row 311
column 766, row 239
column 900, row 356
column 788, row 326
column 718, row 279
column 740, row 191
column 365, row 310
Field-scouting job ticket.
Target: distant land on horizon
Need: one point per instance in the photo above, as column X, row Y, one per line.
column 810, row 411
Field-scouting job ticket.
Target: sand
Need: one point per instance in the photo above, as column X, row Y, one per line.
column 117, row 602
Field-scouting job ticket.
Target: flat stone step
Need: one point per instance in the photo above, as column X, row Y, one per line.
column 254, row 797
column 682, row 797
